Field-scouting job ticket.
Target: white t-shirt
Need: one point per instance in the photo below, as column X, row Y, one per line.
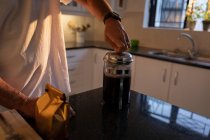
column 32, row 49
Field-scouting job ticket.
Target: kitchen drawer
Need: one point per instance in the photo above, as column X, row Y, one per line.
column 76, row 88
column 75, row 69
column 77, row 77
column 77, row 55
column 80, row 69
column 80, row 83
column 76, row 83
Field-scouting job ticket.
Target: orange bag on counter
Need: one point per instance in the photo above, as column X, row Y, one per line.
column 52, row 113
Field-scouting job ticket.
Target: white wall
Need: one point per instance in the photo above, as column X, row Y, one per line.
column 70, row 35
column 153, row 38
column 156, row 38
column 161, row 38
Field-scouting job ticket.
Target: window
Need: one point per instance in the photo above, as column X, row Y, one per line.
column 172, row 13
column 167, row 13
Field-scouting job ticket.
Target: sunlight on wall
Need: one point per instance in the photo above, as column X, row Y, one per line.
column 69, row 35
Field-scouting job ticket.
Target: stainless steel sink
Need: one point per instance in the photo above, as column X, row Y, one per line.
column 179, row 55
column 169, row 54
column 203, row 59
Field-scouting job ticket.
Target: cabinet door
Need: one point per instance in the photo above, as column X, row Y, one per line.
column 98, row 68
column 80, row 65
column 190, row 88
column 72, row 6
column 152, row 77
column 118, row 5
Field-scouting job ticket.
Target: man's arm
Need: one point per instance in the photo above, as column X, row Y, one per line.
column 98, row 8
column 115, row 34
column 14, row 99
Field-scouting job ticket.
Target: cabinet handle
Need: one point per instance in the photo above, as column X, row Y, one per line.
column 71, row 69
column 72, row 82
column 176, row 78
column 120, row 4
column 71, row 56
column 95, row 58
column 164, row 75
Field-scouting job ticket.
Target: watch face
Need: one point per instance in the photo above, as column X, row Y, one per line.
column 116, row 16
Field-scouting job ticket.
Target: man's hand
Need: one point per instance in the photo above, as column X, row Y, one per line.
column 27, row 109
column 116, row 36
column 14, row 99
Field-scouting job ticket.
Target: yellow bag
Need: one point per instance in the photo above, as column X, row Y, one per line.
column 52, row 113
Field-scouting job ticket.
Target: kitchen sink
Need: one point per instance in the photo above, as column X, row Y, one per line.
column 169, row 54
column 203, row 59
column 179, row 55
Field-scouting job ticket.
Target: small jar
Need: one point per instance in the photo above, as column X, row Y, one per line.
column 117, row 79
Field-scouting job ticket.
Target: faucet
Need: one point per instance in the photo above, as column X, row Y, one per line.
column 193, row 52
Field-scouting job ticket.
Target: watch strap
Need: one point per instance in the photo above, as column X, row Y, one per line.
column 113, row 15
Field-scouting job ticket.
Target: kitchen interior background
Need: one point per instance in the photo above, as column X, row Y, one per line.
column 133, row 17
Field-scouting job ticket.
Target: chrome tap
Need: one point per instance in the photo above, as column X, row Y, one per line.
column 193, row 52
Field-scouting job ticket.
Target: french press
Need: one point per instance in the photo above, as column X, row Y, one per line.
column 117, row 79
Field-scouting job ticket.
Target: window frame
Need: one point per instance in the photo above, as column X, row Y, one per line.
column 152, row 9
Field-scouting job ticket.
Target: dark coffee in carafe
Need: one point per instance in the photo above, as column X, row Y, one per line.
column 117, row 79
column 116, row 90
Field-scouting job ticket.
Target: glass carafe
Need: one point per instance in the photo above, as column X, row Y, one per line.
column 117, row 79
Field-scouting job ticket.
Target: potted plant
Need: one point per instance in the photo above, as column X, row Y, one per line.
column 206, row 21
column 190, row 16
column 206, row 17
column 80, row 31
column 191, row 23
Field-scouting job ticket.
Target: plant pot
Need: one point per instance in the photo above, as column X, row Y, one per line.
column 206, row 25
column 191, row 25
column 80, row 37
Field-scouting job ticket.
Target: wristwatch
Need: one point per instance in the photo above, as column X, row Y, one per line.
column 112, row 15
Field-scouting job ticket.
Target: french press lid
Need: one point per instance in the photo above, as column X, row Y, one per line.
column 118, row 58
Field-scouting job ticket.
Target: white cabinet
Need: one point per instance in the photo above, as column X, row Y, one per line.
column 135, row 6
column 122, row 6
column 77, row 9
column 181, row 85
column 152, row 77
column 80, row 69
column 98, row 67
column 85, row 69
column 118, row 6
column 190, row 88
column 73, row 8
